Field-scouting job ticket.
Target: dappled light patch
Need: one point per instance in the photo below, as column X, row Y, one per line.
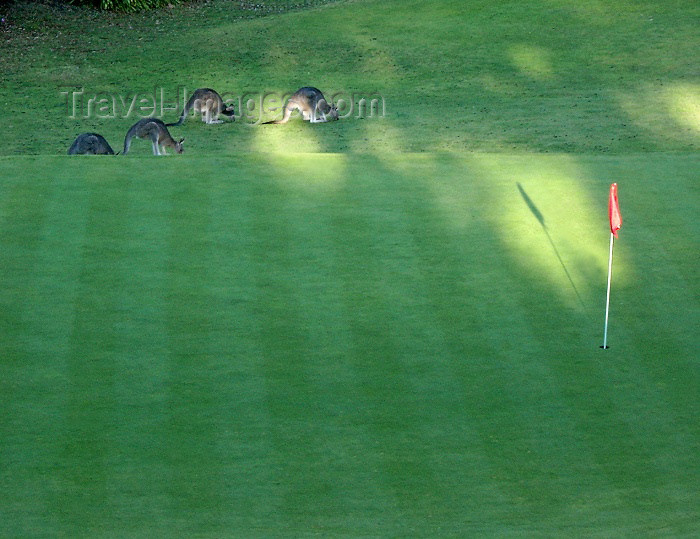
column 531, row 228
column 296, row 136
column 532, row 61
column 557, row 198
column 683, row 104
column 670, row 112
column 319, row 174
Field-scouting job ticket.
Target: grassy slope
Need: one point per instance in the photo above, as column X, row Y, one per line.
column 364, row 343
column 477, row 75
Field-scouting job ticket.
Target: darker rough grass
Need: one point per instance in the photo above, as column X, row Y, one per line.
column 458, row 76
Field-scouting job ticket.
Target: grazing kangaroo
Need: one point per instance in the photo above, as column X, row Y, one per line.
column 155, row 130
column 90, row 144
column 312, row 104
column 209, row 104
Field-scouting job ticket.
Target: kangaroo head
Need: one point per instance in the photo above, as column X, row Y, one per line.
column 333, row 113
column 228, row 110
column 178, row 146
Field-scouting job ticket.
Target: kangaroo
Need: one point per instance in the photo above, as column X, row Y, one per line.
column 312, row 104
column 155, row 130
column 90, row 144
column 209, row 104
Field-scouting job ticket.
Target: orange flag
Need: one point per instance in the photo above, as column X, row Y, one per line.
column 614, row 210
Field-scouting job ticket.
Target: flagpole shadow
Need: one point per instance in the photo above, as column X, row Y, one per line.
column 540, row 218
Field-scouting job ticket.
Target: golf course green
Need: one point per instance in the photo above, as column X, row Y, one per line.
column 384, row 326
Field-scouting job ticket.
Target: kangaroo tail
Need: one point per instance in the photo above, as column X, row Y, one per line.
column 285, row 118
column 183, row 116
column 127, row 144
column 179, row 122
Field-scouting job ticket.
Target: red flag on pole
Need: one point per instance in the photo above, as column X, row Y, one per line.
column 614, row 210
column 615, row 224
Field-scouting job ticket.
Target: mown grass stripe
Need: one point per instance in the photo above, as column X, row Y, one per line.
column 192, row 381
column 136, row 486
column 444, row 267
column 344, row 475
column 23, row 210
column 249, row 475
column 42, row 317
column 396, row 354
column 92, row 409
column 292, row 405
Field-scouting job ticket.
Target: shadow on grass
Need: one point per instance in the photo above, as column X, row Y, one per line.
column 540, row 218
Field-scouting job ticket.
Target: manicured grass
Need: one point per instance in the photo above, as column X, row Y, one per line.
column 380, row 327
column 347, row 345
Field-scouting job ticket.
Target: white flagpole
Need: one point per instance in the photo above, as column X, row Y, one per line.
column 607, row 300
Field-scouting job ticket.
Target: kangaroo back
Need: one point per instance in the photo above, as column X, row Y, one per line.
column 207, row 102
column 301, row 100
column 310, row 102
column 155, row 130
column 90, row 144
column 131, row 133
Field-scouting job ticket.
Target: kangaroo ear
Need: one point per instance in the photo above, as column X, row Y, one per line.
column 181, row 141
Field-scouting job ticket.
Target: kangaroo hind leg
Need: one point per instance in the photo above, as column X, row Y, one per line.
column 314, row 117
column 214, row 114
column 154, row 142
